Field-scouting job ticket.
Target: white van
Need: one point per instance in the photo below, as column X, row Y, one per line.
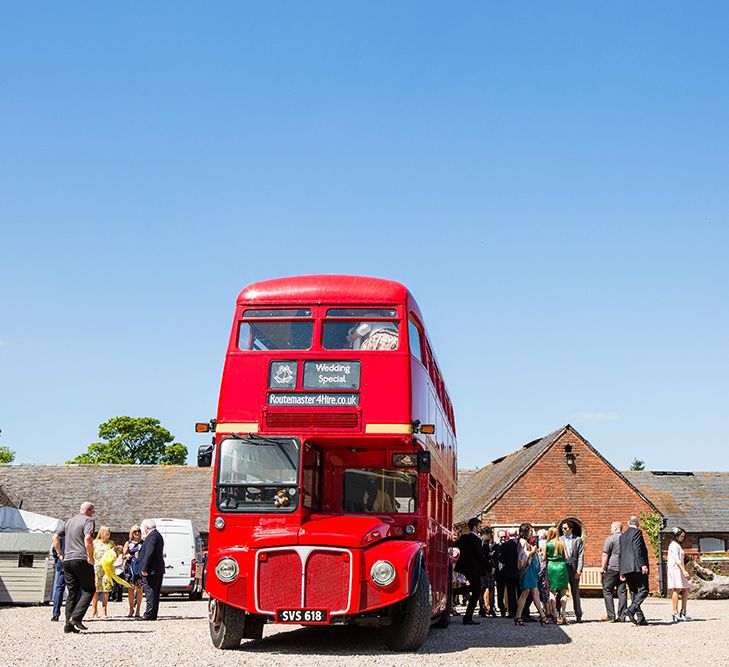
column 183, row 557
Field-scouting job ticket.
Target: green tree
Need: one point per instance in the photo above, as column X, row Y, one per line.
column 133, row 440
column 7, row 455
column 637, row 464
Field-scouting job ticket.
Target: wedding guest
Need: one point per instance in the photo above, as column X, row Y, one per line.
column 529, row 574
column 102, row 544
column 487, row 603
column 574, row 557
column 634, row 569
column 611, row 575
column 554, row 553
column 131, row 571
column 678, row 575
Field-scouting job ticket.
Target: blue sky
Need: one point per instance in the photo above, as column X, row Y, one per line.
column 550, row 180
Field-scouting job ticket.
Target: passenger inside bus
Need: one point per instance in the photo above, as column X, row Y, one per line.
column 363, row 335
column 373, row 336
column 379, row 491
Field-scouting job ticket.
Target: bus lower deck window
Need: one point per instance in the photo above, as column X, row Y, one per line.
column 380, row 491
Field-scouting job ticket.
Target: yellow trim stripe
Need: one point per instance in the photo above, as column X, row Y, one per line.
column 237, row 427
column 389, row 428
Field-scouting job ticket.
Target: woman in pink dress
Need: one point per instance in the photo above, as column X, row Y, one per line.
column 677, row 574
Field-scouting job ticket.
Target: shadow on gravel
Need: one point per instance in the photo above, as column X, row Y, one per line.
column 354, row 641
column 118, row 632
column 664, row 622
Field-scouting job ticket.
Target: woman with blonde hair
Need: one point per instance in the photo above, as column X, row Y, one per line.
column 102, row 544
column 131, row 570
column 554, row 554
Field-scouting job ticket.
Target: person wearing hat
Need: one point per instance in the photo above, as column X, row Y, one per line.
column 373, row 336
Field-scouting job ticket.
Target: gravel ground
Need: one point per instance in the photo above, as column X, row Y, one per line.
column 180, row 637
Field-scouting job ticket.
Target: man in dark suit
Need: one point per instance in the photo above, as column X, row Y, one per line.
column 471, row 565
column 634, row 569
column 509, row 560
column 574, row 555
column 152, row 567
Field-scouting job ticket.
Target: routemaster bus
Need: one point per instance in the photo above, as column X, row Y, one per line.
column 334, row 454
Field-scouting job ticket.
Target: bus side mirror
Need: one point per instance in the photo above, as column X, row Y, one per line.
column 423, row 461
column 204, row 456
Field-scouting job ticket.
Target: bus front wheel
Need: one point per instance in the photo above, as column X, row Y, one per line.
column 411, row 620
column 226, row 624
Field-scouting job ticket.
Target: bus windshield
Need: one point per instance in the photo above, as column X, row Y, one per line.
column 250, row 461
column 256, row 473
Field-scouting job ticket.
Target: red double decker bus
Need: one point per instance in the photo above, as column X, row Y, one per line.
column 335, row 464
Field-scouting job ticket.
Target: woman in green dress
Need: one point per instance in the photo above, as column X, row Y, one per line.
column 556, row 573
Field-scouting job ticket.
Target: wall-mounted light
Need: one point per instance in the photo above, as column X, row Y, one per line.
column 569, row 456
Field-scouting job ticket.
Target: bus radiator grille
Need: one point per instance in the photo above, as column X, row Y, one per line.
column 279, row 581
column 327, row 581
column 292, row 420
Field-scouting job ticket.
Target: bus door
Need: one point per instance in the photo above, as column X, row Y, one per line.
column 311, row 476
column 437, row 542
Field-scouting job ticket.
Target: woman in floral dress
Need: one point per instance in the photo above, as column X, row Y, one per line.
column 102, row 544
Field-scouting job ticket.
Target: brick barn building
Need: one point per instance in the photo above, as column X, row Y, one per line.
column 698, row 502
column 548, row 480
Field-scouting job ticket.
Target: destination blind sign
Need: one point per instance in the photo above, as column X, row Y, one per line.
column 320, row 399
column 331, row 375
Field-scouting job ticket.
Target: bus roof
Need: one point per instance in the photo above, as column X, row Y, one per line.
column 324, row 289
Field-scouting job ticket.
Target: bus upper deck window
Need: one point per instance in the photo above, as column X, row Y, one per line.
column 414, row 336
column 275, row 335
column 350, row 335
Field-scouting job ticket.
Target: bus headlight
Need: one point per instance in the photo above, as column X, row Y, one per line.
column 382, row 573
column 226, row 569
column 219, row 523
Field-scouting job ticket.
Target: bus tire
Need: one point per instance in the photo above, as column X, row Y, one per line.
column 443, row 619
column 411, row 621
column 226, row 624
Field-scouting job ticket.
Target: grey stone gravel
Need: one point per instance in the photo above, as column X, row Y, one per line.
column 180, row 638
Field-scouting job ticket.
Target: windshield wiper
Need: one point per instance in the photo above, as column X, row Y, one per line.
column 259, row 439
column 256, row 439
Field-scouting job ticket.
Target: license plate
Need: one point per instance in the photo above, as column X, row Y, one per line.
column 302, row 616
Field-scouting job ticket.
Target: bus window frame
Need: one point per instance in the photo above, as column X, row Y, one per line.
column 247, row 320
column 419, row 328
column 416, row 487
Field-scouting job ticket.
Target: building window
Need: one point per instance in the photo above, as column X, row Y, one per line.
column 25, row 560
column 711, row 544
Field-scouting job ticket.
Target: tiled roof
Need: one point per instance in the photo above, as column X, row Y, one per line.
column 463, row 476
column 484, row 487
column 698, row 502
column 123, row 494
